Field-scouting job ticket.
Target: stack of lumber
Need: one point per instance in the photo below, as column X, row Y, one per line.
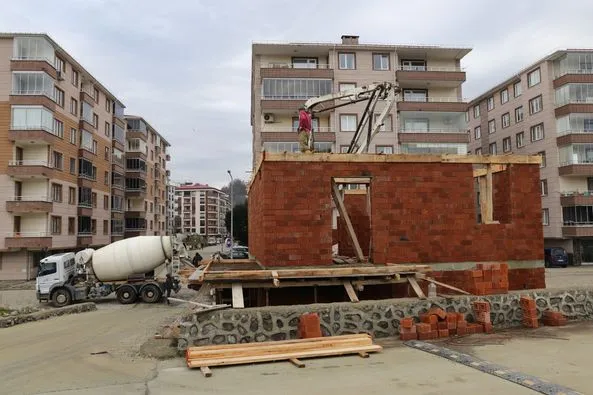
column 287, row 350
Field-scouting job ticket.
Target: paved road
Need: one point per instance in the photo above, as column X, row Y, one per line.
column 574, row 276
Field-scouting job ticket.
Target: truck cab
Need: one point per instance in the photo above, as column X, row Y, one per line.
column 54, row 271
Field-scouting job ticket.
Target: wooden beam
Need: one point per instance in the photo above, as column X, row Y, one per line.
column 312, row 283
column 363, row 354
column 352, row 180
column 495, row 169
column 350, row 291
column 489, row 193
column 296, row 362
column 275, row 280
column 416, row 287
column 237, row 291
column 206, row 371
column 201, row 277
column 355, row 191
column 444, row 285
column 342, row 211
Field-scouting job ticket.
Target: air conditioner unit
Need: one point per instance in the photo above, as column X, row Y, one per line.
column 268, row 118
column 60, row 75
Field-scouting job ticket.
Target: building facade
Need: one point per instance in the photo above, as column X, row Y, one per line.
column 429, row 116
column 202, row 210
column 62, row 156
column 146, row 179
column 547, row 109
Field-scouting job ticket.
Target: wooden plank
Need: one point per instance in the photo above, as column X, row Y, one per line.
column 416, row 287
column 352, row 180
column 237, row 290
column 355, row 191
column 297, row 363
column 206, row 371
column 445, row 285
column 196, row 363
column 350, row 291
column 495, row 169
column 201, row 277
column 275, row 280
column 314, row 283
column 344, row 213
column 489, row 193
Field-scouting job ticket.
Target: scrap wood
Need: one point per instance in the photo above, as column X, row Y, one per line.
column 207, row 307
column 432, row 280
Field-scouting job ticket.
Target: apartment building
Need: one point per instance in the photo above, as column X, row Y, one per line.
column 146, row 179
column 202, row 209
column 547, row 109
column 429, row 116
column 171, row 208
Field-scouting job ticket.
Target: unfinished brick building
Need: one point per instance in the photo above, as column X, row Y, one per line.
column 447, row 211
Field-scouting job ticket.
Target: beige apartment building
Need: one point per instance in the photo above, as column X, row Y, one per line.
column 429, row 116
column 146, row 179
column 202, row 210
column 547, row 109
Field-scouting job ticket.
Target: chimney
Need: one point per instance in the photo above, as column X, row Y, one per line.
column 349, row 40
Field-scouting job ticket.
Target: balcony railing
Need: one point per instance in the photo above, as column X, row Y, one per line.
column 577, row 162
column 288, row 129
column 294, row 66
column 84, row 233
column 578, row 223
column 135, row 229
column 573, row 100
column 31, row 92
column 431, row 99
column 85, row 204
column 430, row 68
column 90, row 177
column 573, row 71
column 289, row 97
column 434, row 130
column 575, row 131
column 28, row 234
column 30, row 162
column 576, row 193
column 32, row 198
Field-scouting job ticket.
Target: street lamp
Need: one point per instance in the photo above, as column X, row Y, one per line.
column 231, row 191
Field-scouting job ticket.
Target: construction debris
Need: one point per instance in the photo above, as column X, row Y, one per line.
column 206, row 357
column 529, row 312
column 554, row 318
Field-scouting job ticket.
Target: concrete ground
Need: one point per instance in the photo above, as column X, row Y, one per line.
column 570, row 277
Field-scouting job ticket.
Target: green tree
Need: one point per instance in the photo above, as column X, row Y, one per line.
column 195, row 242
column 239, row 191
column 240, row 220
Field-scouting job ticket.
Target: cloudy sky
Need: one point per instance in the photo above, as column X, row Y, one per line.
column 185, row 64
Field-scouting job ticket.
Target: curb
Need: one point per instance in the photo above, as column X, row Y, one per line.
column 7, row 322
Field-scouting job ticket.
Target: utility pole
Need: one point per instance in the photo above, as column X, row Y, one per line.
column 231, row 191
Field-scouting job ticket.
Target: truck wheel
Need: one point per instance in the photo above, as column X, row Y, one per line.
column 61, row 297
column 150, row 293
column 126, row 294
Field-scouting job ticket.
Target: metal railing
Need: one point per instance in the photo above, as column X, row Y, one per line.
column 291, row 97
column 430, row 99
column 574, row 131
column 576, row 193
column 298, row 66
column 31, row 92
column 29, row 162
column 135, row 229
column 434, row 130
column 23, row 128
column 28, row 234
column 85, row 204
column 570, row 100
column 573, row 71
column 131, row 189
column 289, row 129
column 84, row 233
column 88, row 176
column 33, row 198
column 577, row 223
column 577, row 162
column 429, row 68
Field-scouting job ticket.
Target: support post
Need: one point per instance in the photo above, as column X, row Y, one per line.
column 344, row 214
column 237, row 291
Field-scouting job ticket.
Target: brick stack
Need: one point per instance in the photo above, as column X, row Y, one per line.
column 488, row 279
column 554, row 318
column 529, row 312
column 407, row 329
column 309, row 326
column 435, row 324
column 483, row 323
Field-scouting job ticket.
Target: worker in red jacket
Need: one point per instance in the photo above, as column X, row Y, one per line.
column 305, row 130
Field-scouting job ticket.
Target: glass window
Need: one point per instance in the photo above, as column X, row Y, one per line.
column 477, row 132
column 413, row 65
column 32, row 83
column 520, row 137
column 59, row 128
column 517, row 89
column 490, row 103
column 506, row 145
column 73, row 133
column 73, row 106
column 380, row 61
column 304, row 63
column 546, row 216
column 415, row 125
column 58, row 160
column 86, row 140
column 533, row 78
column 576, row 154
column 33, row 48
column 348, row 122
column 59, row 97
column 294, row 89
column 347, row 61
column 492, row 126
column 74, row 78
column 535, row 105
column 31, row 117
column 505, row 120
column 537, row 132
column 504, row 96
column 434, row 148
column 519, row 114
column 344, row 86
column 387, row 124
column 544, row 187
column 492, row 149
column 574, row 93
column 416, row 95
column 478, row 151
column 543, row 156
column 575, row 123
column 87, row 112
column 384, row 149
column 476, row 111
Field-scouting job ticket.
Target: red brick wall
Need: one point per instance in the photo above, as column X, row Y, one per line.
column 421, row 213
column 356, row 206
column 501, row 197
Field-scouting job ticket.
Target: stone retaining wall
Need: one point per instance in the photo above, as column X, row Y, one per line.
column 379, row 318
column 42, row 315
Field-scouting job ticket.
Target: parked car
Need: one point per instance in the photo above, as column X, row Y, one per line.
column 238, row 252
column 555, row 256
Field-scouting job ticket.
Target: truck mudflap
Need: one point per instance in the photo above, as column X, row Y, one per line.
column 42, row 297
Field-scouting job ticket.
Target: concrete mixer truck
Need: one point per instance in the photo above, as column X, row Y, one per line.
column 119, row 267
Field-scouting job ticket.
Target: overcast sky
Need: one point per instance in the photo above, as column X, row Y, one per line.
column 184, row 65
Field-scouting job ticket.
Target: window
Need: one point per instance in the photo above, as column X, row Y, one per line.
column 59, row 128
column 60, row 65
column 71, row 225
column 95, row 120
column 95, row 147
column 94, row 226
column 304, row 63
column 519, row 114
column 56, row 193
column 535, row 105
column 413, row 65
column 506, row 145
column 416, row 95
column 71, row 195
column 505, row 119
column 107, row 129
column 492, row 149
column 476, row 111
column 543, row 156
column 72, row 166
column 544, row 187
column 537, row 132
column 58, row 160
column 467, row 116
column 348, row 122
column 94, row 199
column 279, row 89
column 380, row 61
column 32, row 117
column 344, row 86
column 106, row 178
column 520, row 137
column 74, row 78
column 492, row 126
column 478, row 151
column 108, row 105
column 73, row 106
column 504, row 96
column 107, row 153
column 386, row 127
column 545, row 217
column 517, row 89
column 477, row 132
column 105, row 202
column 490, row 103
column 105, row 227
column 32, row 83
column 533, row 78
column 347, row 61
column 96, row 94
column 86, row 112
column 59, row 96
column 384, row 149
column 56, row 225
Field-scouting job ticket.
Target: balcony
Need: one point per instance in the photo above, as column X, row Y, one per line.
column 576, row 168
column 33, row 240
column 289, row 70
column 288, row 134
column 30, row 169
column 576, row 198
column 137, row 134
column 85, row 209
column 84, row 239
column 574, row 76
column 29, row 204
column 33, row 135
column 132, row 192
column 34, row 65
column 135, row 213
column 32, row 99
column 435, row 77
column 433, row 135
column 87, row 125
column 435, row 104
column 568, row 137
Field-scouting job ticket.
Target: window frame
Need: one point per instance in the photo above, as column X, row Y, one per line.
column 502, row 96
column 349, row 115
column 533, row 128
column 478, row 151
column 537, row 99
column 386, row 55
column 346, row 63
column 490, row 105
column 383, row 146
column 491, row 151
column 507, row 147
column 75, row 78
column 522, row 134
column 545, row 217
column 493, row 129
column 543, row 185
column 476, row 111
column 59, row 96
column 57, row 195
column 517, row 120
column 515, row 90
column 544, row 159
column 539, row 78
column 506, row 116
column 478, row 132
column 55, row 225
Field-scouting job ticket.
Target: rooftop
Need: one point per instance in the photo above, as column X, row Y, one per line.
column 149, row 126
column 197, row 185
